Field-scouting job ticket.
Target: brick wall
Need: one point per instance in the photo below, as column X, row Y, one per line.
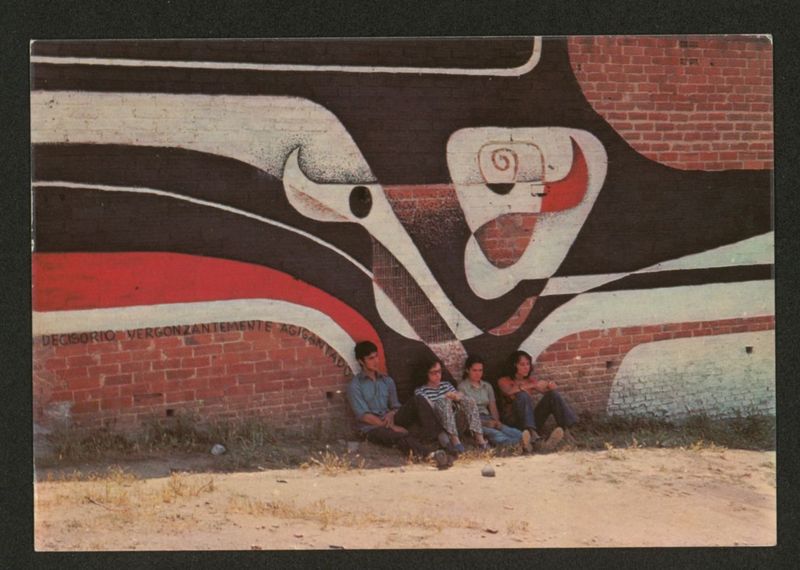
column 691, row 102
column 281, row 373
column 584, row 365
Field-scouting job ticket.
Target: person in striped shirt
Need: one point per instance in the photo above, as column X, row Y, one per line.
column 448, row 403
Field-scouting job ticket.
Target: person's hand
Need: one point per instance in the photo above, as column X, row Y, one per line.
column 551, row 385
column 455, row 396
column 494, row 424
column 398, row 429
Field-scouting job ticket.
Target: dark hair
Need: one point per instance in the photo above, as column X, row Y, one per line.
column 424, row 365
column 513, row 358
column 472, row 359
column 364, row 349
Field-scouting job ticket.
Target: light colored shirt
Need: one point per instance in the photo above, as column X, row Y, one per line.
column 433, row 394
column 367, row 396
column 483, row 394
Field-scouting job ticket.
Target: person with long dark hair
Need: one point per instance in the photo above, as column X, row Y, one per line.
column 482, row 392
column 518, row 408
column 448, row 403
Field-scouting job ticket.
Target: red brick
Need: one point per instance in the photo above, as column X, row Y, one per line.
column 118, row 379
column 179, row 374
column 104, row 370
column 86, row 407
column 101, row 347
column 146, row 355
column 182, row 396
column 170, row 363
column 54, row 363
column 206, row 350
column 589, row 334
column 70, row 350
column 60, row 396
column 196, row 362
column 239, row 390
column 209, row 393
column 136, row 344
column 114, row 357
column 134, row 367
column 179, row 352
column 246, row 368
column 227, row 336
column 116, row 403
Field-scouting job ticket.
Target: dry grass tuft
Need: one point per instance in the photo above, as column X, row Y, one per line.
column 326, row 516
column 332, row 464
column 615, row 454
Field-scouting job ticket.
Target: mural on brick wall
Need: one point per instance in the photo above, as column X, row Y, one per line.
column 444, row 196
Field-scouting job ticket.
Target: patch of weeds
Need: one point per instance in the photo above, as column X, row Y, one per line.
column 326, row 516
column 331, row 463
column 71, row 445
column 739, row 432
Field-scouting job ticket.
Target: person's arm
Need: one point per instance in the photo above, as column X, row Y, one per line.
column 493, row 409
column 508, row 387
column 451, row 393
column 394, row 401
column 542, row 386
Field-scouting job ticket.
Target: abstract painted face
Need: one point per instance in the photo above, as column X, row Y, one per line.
column 533, row 187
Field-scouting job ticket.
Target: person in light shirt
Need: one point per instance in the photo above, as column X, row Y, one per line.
column 482, row 392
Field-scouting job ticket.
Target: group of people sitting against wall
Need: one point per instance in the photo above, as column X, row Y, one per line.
column 431, row 423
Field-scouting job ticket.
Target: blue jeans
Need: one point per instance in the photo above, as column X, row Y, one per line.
column 505, row 435
column 528, row 416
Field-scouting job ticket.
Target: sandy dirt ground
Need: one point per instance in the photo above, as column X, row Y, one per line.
column 611, row 498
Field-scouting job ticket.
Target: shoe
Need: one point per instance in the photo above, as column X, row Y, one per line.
column 484, row 446
column 553, row 440
column 444, row 439
column 526, row 441
column 456, row 449
column 441, row 459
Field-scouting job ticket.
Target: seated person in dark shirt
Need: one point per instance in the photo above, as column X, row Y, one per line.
column 382, row 420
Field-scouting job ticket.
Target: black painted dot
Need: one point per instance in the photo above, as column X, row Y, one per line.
column 360, row 201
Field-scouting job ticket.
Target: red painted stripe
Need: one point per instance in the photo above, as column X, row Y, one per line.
column 75, row 281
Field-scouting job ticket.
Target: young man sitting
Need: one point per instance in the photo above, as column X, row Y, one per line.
column 382, row 420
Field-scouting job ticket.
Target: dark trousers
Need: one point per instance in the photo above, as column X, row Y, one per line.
column 418, row 417
column 527, row 416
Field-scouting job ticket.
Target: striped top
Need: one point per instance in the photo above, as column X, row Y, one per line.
column 433, row 394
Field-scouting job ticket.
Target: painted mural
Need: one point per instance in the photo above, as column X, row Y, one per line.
column 444, row 196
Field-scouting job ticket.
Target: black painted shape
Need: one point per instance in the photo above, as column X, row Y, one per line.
column 647, row 213
column 475, row 53
column 501, row 188
column 360, row 201
column 680, row 278
column 213, row 178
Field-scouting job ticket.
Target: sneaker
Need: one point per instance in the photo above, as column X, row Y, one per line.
column 553, row 440
column 444, row 439
column 526, row 441
column 456, row 449
column 441, row 459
